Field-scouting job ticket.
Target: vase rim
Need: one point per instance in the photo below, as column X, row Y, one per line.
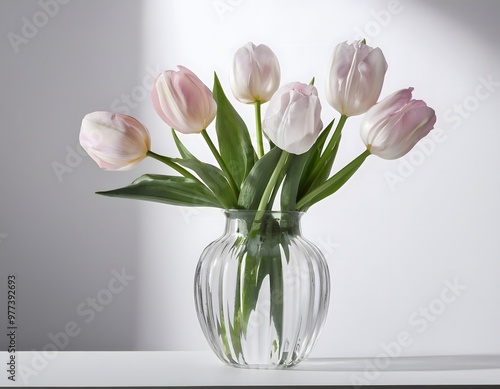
column 266, row 212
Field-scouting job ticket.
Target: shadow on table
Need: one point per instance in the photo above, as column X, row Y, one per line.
column 386, row 363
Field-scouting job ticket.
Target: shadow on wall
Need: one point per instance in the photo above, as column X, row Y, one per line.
column 74, row 253
column 481, row 17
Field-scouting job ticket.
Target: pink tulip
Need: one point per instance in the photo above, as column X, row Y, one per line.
column 183, row 101
column 355, row 79
column 293, row 117
column 255, row 74
column 393, row 126
column 114, row 141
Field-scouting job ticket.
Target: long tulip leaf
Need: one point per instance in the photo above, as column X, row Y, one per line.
column 185, row 153
column 298, row 176
column 235, row 145
column 214, row 178
column 314, row 155
column 255, row 184
column 171, row 190
column 333, row 184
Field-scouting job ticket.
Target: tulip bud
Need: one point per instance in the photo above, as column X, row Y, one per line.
column 355, row 79
column 114, row 141
column 255, row 74
column 393, row 126
column 183, row 101
column 293, row 118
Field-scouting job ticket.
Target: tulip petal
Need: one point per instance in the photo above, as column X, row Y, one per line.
column 293, row 118
column 255, row 74
column 355, row 78
column 114, row 141
column 183, row 101
column 391, row 128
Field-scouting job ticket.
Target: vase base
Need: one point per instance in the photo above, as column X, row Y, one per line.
column 261, row 366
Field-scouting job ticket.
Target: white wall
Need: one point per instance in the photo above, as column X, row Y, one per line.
column 394, row 236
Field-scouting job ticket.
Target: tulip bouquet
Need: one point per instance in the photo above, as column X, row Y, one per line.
column 300, row 153
column 292, row 172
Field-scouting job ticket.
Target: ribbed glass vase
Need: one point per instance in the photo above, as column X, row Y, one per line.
column 262, row 291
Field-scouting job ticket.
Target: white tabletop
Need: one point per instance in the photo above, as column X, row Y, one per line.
column 191, row 368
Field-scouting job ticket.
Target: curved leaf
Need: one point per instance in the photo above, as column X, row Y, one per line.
column 300, row 175
column 310, row 175
column 183, row 151
column 257, row 180
column 333, row 184
column 214, row 178
column 235, row 145
column 290, row 188
column 172, row 190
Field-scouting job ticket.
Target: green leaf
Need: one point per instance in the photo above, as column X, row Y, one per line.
column 276, row 281
column 235, row 145
column 257, row 180
column 325, row 162
column 214, row 178
column 326, row 167
column 260, row 258
column 333, row 184
column 314, row 155
column 172, row 190
column 184, row 152
column 250, row 262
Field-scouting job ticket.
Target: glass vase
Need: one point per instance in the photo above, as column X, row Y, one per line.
column 262, row 290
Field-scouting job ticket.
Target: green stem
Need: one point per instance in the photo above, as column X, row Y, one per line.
column 221, row 162
column 335, row 137
column 168, row 161
column 333, row 184
column 258, row 129
column 269, row 188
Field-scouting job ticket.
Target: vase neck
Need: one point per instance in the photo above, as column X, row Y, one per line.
column 262, row 223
